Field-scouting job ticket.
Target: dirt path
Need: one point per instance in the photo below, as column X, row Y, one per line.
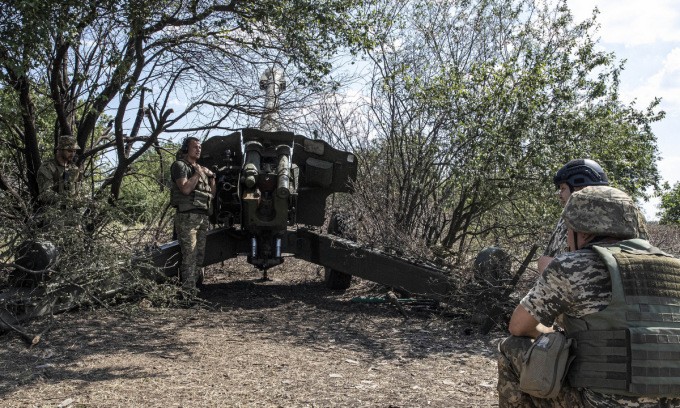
column 284, row 343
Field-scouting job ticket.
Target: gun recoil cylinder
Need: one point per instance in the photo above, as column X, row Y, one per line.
column 253, row 151
column 283, row 171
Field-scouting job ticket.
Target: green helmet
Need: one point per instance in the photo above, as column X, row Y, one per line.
column 602, row 210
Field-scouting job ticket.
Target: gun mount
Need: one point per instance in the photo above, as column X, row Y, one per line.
column 272, row 188
column 269, row 181
column 271, row 198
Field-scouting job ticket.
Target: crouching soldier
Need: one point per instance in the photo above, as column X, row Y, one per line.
column 59, row 178
column 618, row 299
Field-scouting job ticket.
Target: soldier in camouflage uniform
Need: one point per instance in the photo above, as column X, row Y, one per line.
column 192, row 190
column 59, row 178
column 59, row 181
column 574, row 176
column 577, row 287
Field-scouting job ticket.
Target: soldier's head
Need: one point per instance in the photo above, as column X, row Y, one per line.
column 66, row 149
column 191, row 148
column 599, row 212
column 576, row 175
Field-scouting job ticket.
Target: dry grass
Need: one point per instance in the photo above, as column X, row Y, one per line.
column 285, row 343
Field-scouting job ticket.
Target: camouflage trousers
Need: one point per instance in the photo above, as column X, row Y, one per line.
column 191, row 231
column 512, row 350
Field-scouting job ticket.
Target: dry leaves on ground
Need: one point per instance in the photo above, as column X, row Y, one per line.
column 288, row 342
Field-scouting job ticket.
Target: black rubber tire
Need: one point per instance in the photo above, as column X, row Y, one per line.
column 336, row 280
column 200, row 277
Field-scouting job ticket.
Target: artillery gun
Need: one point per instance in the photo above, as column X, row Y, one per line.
column 270, row 202
column 271, row 197
column 272, row 188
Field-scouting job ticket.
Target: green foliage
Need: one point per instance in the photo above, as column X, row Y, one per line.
column 670, row 205
column 475, row 105
column 135, row 60
column 145, row 191
column 95, row 262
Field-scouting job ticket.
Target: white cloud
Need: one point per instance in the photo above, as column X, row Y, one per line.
column 664, row 83
column 647, row 34
column 668, row 79
column 631, row 22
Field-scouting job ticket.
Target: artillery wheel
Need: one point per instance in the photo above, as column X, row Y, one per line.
column 34, row 257
column 336, row 280
column 200, row 276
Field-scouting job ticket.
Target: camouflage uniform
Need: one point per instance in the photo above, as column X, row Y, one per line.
column 191, row 231
column 558, row 241
column 56, row 181
column 59, row 189
column 574, row 284
column 191, row 228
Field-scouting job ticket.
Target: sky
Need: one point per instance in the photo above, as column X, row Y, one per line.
column 647, row 35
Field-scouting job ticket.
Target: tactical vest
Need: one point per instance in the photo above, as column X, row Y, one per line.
column 632, row 347
column 199, row 199
column 56, row 180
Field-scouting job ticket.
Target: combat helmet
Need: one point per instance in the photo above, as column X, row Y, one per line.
column 602, row 211
column 581, row 173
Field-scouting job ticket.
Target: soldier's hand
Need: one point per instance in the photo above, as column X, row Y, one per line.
column 204, row 170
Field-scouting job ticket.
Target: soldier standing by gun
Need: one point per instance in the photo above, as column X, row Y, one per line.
column 193, row 187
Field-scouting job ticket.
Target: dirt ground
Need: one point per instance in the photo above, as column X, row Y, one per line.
column 288, row 342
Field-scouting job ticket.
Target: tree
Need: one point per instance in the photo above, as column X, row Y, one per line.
column 122, row 74
column 115, row 70
column 473, row 107
column 145, row 194
column 670, row 205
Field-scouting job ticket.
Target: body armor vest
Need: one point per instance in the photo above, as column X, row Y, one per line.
column 199, row 199
column 632, row 347
column 57, row 183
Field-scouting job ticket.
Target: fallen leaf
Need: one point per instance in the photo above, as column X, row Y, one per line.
column 65, row 403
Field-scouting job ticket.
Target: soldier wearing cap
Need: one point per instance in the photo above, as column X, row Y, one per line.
column 617, row 297
column 59, row 177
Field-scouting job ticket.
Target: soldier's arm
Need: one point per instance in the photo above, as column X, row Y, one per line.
column 187, row 185
column 543, row 262
column 522, row 323
column 213, row 185
column 46, row 186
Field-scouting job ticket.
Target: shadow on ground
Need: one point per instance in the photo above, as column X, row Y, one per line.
column 295, row 309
